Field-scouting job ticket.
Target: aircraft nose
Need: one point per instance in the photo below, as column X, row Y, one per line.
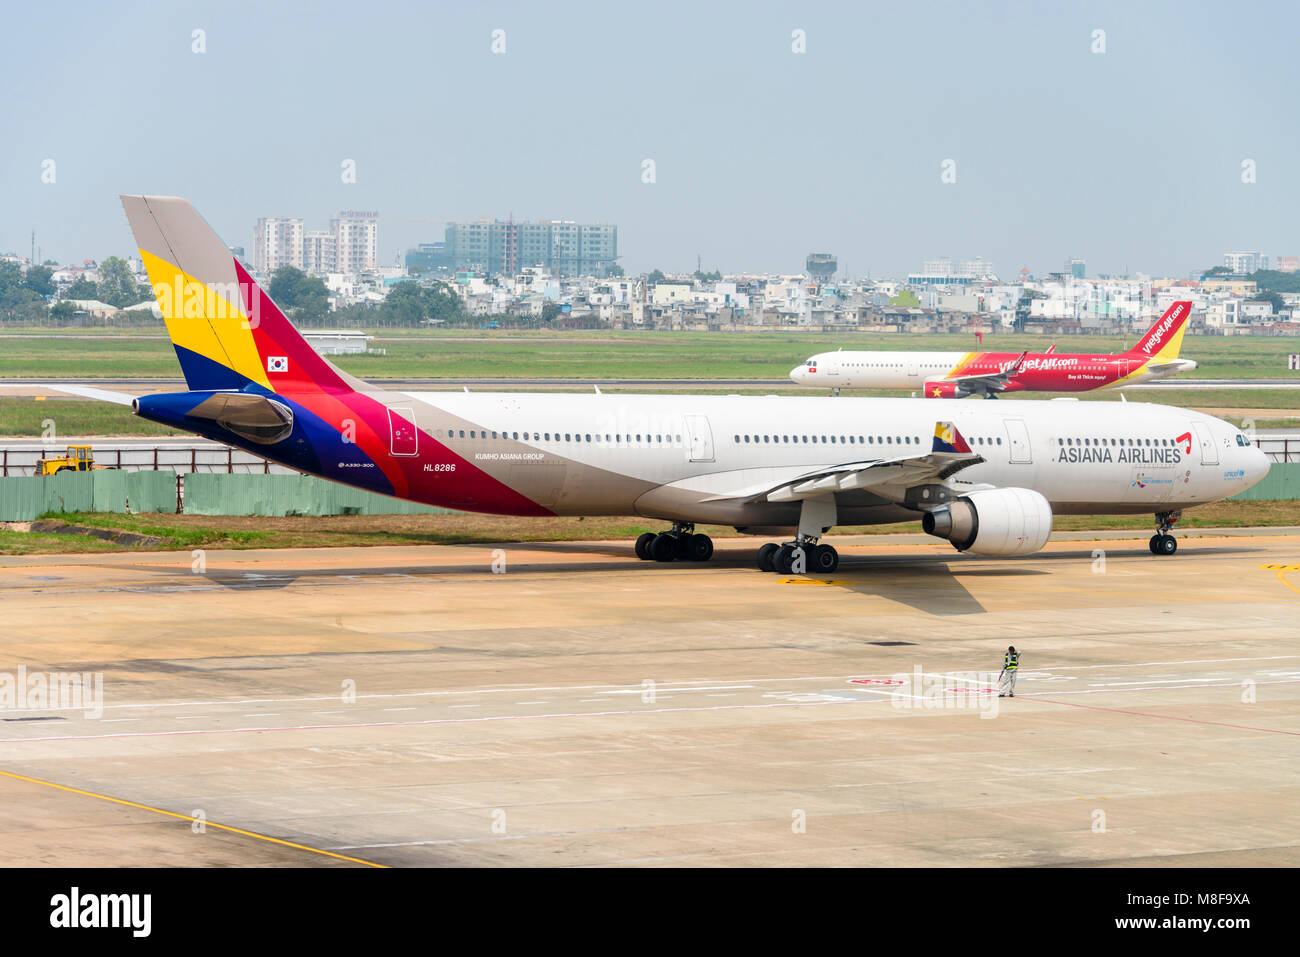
column 1257, row 464
column 797, row 373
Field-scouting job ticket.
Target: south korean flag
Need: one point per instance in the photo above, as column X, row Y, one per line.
column 277, row 363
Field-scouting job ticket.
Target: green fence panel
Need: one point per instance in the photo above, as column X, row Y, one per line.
column 21, row 499
column 109, row 489
column 69, row 492
column 212, row 493
column 1282, row 483
column 151, row 491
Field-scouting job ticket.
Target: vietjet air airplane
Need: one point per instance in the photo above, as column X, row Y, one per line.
column 985, row 479
column 954, row 375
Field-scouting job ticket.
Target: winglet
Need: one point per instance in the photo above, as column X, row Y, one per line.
column 948, row 439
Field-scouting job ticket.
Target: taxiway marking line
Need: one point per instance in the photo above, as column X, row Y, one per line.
column 429, row 721
column 1166, row 717
column 187, row 817
column 629, row 688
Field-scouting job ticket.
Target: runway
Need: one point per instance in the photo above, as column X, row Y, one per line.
column 414, row 706
column 142, row 385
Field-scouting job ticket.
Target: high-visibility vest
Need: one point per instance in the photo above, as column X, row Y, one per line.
column 1013, row 661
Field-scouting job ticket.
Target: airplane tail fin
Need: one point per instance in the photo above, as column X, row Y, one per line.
column 948, row 439
column 1163, row 340
column 227, row 332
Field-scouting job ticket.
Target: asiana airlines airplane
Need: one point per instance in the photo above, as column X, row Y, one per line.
column 987, row 477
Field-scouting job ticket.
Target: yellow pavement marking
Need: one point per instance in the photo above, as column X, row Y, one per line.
column 187, row 817
column 1281, row 573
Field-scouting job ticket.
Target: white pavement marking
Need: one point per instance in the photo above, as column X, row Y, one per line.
column 658, row 690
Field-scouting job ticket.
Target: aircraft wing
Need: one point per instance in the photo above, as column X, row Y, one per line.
column 949, row 454
column 85, row 391
column 991, row 381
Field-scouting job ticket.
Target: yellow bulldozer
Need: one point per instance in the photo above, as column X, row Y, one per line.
column 79, row 458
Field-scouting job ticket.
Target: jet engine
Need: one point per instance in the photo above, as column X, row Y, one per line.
column 943, row 390
column 999, row 521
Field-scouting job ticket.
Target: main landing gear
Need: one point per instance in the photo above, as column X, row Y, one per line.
column 798, row 557
column 679, row 544
column 1162, row 543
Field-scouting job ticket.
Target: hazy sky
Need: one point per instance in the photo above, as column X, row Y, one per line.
column 1128, row 158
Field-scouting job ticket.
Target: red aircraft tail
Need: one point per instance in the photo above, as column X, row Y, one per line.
column 1165, row 338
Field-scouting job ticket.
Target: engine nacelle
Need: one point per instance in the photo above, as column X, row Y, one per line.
column 997, row 521
column 943, row 390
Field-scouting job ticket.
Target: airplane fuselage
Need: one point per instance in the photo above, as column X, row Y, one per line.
column 1039, row 372
column 696, row 458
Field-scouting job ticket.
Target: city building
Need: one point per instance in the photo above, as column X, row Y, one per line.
column 356, row 241
column 821, row 266
column 349, row 246
column 562, row 247
column 277, row 241
column 319, row 252
column 427, row 257
column 945, row 272
column 1245, row 263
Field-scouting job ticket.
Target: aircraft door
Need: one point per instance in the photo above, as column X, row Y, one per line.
column 404, row 437
column 701, row 438
column 1018, row 436
column 1209, row 451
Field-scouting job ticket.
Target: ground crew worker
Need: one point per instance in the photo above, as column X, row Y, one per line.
column 1010, row 664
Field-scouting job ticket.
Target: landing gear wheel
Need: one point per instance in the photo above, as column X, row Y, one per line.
column 1155, row 543
column 766, row 557
column 681, row 545
column 643, row 546
column 664, row 547
column 699, row 548
column 784, row 560
column 1168, row 545
column 823, row 559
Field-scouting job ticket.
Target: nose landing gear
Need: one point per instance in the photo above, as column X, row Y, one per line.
column 1162, row 543
column 679, row 544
